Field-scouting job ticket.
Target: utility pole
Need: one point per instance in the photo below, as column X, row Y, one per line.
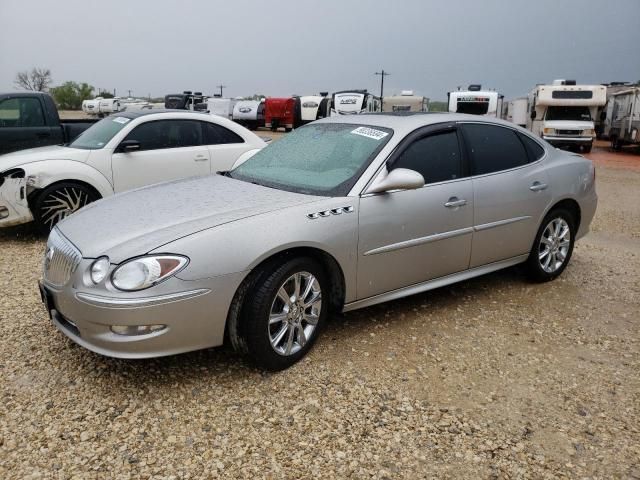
column 129, row 93
column 221, row 87
column 382, row 75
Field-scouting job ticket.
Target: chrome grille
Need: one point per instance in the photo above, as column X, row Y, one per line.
column 60, row 260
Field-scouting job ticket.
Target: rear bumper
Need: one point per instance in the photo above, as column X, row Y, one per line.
column 192, row 315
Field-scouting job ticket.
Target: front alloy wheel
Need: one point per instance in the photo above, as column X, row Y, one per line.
column 59, row 201
column 284, row 311
column 294, row 313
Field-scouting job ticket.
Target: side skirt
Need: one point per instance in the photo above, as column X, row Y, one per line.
column 435, row 283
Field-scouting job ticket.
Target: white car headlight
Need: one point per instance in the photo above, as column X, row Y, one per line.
column 144, row 272
column 99, row 269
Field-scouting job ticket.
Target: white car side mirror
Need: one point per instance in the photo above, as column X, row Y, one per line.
column 397, row 179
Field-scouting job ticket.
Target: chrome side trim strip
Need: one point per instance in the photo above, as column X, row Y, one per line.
column 419, row 241
column 112, row 302
column 435, row 283
column 499, row 223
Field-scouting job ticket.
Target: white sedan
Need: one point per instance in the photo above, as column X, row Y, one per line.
column 121, row 152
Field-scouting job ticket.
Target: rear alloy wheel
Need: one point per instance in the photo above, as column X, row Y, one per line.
column 553, row 246
column 284, row 314
column 59, row 201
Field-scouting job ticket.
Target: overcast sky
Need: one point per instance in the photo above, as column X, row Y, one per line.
column 285, row 47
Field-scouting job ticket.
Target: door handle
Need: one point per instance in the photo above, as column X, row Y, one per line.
column 201, row 158
column 454, row 202
column 537, row 186
column 43, row 135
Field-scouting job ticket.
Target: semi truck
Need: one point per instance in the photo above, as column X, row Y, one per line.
column 625, row 118
column 476, row 101
column 563, row 113
column 187, row 100
column 405, row 102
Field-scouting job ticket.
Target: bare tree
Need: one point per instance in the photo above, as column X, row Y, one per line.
column 37, row 80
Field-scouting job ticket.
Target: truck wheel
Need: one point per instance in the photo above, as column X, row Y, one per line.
column 587, row 149
column 59, row 201
column 616, row 146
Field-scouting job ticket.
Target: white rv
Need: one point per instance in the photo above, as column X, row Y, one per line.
column 350, row 102
column 562, row 113
column 602, row 120
column 222, row 107
column 476, row 101
column 101, row 106
column 405, row 102
column 249, row 113
column 625, row 118
column 516, row 111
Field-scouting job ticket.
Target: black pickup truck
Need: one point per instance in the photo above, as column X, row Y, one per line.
column 30, row 119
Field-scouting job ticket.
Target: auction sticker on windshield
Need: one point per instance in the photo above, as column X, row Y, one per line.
column 370, row 133
column 122, row 120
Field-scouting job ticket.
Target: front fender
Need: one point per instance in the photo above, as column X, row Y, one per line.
column 242, row 245
column 41, row 174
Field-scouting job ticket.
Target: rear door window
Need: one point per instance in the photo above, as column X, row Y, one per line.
column 493, row 148
column 436, row 157
column 215, row 134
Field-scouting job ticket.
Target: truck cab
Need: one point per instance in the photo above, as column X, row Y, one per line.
column 563, row 113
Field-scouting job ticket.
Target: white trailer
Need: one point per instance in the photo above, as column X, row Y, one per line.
column 310, row 108
column 405, row 102
column 562, row 113
column 625, row 118
column 249, row 113
column 222, row 107
column 350, row 102
column 476, row 101
column 602, row 120
column 516, row 111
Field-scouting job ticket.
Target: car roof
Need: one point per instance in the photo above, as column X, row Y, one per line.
column 154, row 111
column 409, row 121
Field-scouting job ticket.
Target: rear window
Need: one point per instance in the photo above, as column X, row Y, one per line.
column 494, row 148
column 534, row 150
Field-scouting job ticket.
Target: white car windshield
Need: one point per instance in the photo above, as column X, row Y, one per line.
column 98, row 135
column 318, row 159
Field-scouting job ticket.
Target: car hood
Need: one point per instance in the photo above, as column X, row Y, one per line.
column 55, row 152
column 136, row 222
column 568, row 124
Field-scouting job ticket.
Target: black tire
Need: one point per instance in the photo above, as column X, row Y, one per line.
column 262, row 299
column 288, row 129
column 616, row 146
column 534, row 265
column 587, row 149
column 68, row 196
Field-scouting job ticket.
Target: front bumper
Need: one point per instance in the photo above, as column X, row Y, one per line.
column 193, row 313
column 568, row 141
column 14, row 207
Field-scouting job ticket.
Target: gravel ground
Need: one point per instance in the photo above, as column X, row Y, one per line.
column 492, row 378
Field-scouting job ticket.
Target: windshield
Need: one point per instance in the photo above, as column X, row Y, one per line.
column 568, row 113
column 98, row 135
column 318, row 159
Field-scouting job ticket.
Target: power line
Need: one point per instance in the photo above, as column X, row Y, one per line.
column 382, row 75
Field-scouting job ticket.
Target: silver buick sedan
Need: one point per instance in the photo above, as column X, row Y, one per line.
column 344, row 213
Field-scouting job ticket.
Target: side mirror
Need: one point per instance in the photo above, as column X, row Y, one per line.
column 397, row 179
column 533, row 114
column 129, row 146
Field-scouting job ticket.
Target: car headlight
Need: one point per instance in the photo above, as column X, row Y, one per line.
column 549, row 131
column 144, row 272
column 590, row 132
column 99, row 269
